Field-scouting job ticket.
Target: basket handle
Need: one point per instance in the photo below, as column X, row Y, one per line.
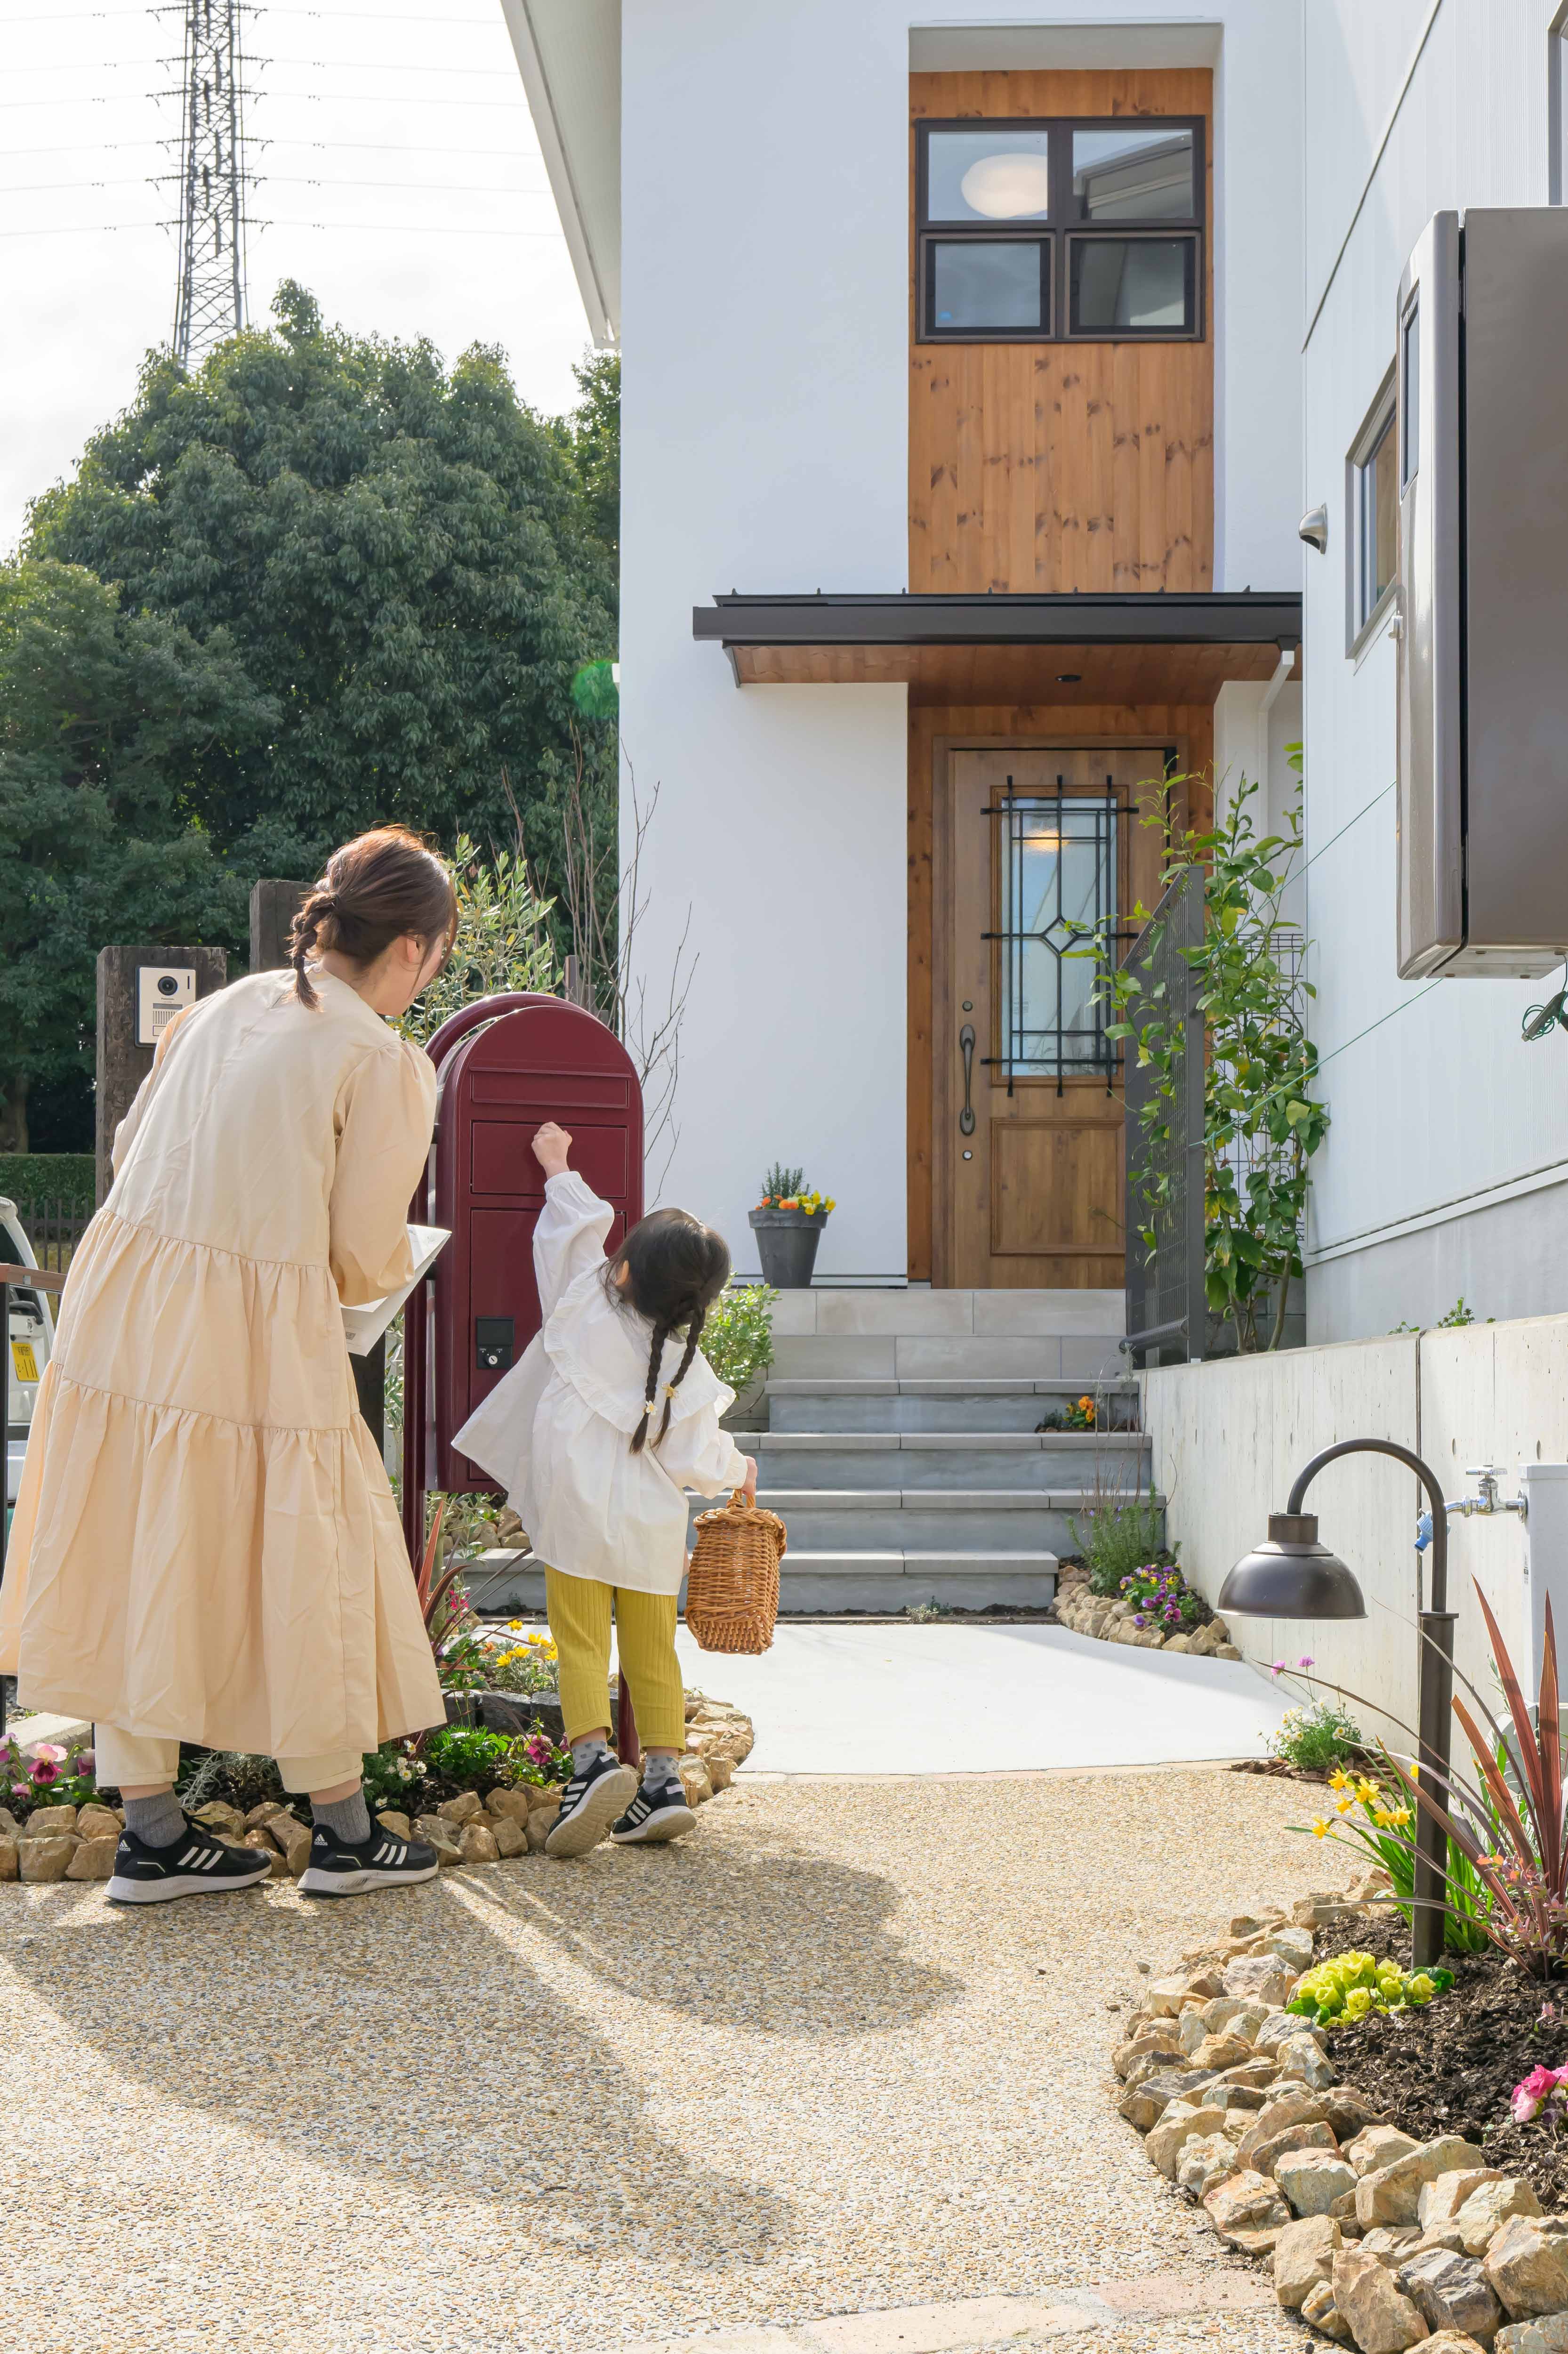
column 738, row 1502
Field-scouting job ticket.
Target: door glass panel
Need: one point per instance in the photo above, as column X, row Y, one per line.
column 1133, row 176
column 1058, row 873
column 979, row 283
column 1410, row 396
column 974, row 176
column 1132, row 283
column 1380, row 519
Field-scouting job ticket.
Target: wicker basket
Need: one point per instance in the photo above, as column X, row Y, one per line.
column 732, row 1586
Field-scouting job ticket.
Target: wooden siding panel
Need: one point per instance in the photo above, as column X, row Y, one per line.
column 1020, row 469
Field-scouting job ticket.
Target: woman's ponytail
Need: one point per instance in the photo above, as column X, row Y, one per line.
column 694, row 1334
column 655, row 1359
column 382, row 886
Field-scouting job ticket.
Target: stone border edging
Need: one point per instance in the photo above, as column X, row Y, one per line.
column 1084, row 1612
column 1375, row 2239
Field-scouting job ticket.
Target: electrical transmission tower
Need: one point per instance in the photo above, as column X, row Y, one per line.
column 209, row 304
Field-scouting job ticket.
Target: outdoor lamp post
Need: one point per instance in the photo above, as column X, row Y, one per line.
column 1291, row 1576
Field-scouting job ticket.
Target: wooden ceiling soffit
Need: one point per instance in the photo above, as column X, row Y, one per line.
column 1015, row 673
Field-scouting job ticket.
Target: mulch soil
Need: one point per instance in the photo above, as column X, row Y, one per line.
column 1450, row 2067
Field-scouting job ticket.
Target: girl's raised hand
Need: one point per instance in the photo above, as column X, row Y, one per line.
column 551, row 1146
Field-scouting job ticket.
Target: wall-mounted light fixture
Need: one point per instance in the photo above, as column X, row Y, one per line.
column 1313, row 529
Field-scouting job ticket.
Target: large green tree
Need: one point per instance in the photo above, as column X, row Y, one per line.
column 112, row 725
column 408, row 562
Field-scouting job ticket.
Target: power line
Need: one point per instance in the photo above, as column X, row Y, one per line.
column 276, row 139
column 318, row 16
column 209, row 298
column 285, row 180
column 294, row 96
column 358, row 228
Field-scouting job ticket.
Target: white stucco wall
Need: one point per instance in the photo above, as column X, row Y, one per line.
column 1443, row 1166
column 765, row 261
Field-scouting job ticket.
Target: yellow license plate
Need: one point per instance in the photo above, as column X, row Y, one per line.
column 22, row 1357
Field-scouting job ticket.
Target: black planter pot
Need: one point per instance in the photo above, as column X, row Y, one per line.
column 787, row 1245
column 512, row 1713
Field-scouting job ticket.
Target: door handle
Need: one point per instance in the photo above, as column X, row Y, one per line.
column 967, row 1043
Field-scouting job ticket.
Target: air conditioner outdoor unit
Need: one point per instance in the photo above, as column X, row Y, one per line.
column 1483, row 571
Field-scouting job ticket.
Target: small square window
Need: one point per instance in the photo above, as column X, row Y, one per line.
column 1139, row 174
column 1132, row 286
column 988, row 175
column 997, row 286
column 1374, row 519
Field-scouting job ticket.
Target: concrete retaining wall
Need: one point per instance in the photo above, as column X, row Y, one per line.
column 1229, row 1438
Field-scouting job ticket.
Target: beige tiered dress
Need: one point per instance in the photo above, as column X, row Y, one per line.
column 206, row 1545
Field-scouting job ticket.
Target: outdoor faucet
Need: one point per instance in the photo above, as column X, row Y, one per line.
column 1487, row 1502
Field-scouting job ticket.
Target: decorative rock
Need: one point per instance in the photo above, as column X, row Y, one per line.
column 1441, row 2201
column 1302, row 2058
column 1226, row 1651
column 1218, row 2051
column 96, row 1822
column 1381, row 2317
column 1228, row 2014
column 1547, row 2336
column 45, row 1859
column 1527, row 2265
column 1161, row 2041
column 1379, row 2146
column 297, row 1843
column 1165, row 1997
column 1279, row 2027
column 1391, row 2195
column 1259, row 1977
column 439, row 1833
column 1263, row 2151
column 1293, row 2104
column 1204, row 2161
column 1487, row 2210
column 1294, row 1947
column 1317, row 2306
column 720, row 1770
column 1246, row 2203
column 459, row 1810
column 1260, row 2073
column 1181, row 2121
column 219, row 1816
column 513, row 1803
column 1241, row 2101
column 695, row 1781
column 1392, row 2243
column 1142, row 2105
column 49, row 1822
column 511, row 1838
column 540, row 1826
column 1303, row 2258
column 1451, row 2292
column 1349, row 2112
column 1452, row 2341
column 94, row 1858
column 9, row 1826
column 262, row 1843
column 10, row 1859
column 478, row 1845
column 1312, row 2179
column 398, row 1824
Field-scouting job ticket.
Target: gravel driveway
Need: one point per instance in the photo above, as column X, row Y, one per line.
column 844, row 2050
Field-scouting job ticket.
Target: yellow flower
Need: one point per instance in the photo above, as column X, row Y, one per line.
column 1400, row 1814
column 1343, row 1806
column 1367, row 1793
column 1339, row 1779
column 1321, row 1829
column 1381, row 1818
column 514, row 1625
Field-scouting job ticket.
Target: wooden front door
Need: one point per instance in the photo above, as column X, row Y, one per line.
column 1027, row 1101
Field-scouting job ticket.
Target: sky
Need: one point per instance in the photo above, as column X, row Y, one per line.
column 397, row 177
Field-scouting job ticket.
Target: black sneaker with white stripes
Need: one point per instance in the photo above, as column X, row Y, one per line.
column 336, row 1868
column 658, row 1812
column 594, row 1798
column 196, row 1865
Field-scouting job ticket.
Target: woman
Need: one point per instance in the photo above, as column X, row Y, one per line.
column 205, row 1546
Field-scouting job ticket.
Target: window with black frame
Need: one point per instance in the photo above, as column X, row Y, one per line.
column 1047, row 231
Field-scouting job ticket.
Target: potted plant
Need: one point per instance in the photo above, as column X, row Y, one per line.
column 788, row 1223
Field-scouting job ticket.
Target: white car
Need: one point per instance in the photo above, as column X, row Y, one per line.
column 31, row 1337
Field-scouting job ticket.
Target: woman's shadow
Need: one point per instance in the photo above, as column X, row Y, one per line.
column 414, row 2047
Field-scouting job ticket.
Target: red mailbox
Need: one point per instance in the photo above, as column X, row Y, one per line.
column 506, row 1064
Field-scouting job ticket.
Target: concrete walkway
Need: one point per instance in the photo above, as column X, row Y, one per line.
column 842, row 1698
column 834, row 2068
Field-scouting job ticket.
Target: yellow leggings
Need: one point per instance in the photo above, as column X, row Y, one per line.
column 645, row 1623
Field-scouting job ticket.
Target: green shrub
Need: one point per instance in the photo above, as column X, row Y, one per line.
column 1317, row 1739
column 1118, row 1535
column 738, row 1336
column 65, row 1179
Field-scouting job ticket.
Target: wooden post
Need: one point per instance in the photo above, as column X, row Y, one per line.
column 274, row 907
column 125, row 1041
column 575, row 985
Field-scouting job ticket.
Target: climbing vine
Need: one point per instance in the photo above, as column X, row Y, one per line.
column 1262, row 1119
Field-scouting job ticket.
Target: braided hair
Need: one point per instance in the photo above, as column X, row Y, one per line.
column 378, row 888
column 675, row 1269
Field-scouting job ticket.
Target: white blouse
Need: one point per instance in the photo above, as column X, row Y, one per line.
column 557, row 1431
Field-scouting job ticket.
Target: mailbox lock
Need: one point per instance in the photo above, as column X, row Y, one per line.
column 494, row 1343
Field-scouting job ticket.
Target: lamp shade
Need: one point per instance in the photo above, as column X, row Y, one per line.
column 1291, row 1576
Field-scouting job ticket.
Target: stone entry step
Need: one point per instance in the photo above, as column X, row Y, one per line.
column 925, row 1520
column 1086, row 1461
column 896, row 1582
column 915, row 1407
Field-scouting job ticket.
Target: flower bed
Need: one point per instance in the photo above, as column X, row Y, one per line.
column 477, row 1796
column 1376, row 2163
column 1153, row 1607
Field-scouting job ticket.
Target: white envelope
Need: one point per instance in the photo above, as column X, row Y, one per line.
column 364, row 1324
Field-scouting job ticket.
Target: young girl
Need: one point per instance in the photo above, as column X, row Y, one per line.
column 597, row 1433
